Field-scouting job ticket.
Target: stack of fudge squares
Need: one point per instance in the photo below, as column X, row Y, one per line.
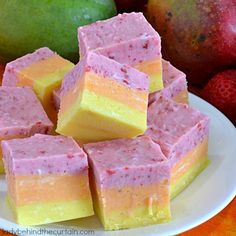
column 112, row 134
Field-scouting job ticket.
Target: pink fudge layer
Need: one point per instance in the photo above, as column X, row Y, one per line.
column 174, row 82
column 44, row 154
column 127, row 38
column 106, row 68
column 123, row 162
column 12, row 68
column 176, row 127
column 21, row 113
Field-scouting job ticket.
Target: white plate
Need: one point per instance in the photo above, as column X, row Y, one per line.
column 212, row 190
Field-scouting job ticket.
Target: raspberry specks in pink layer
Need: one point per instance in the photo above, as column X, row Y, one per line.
column 130, row 163
column 45, row 154
column 145, row 45
column 70, row 155
column 110, row 172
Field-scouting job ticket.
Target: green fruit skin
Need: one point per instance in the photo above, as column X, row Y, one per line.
column 27, row 25
column 198, row 36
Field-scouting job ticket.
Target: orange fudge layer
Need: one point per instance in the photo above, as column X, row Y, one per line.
column 132, row 205
column 42, row 70
column 181, row 97
column 188, row 167
column 47, row 188
column 152, row 68
column 92, row 83
column 132, row 197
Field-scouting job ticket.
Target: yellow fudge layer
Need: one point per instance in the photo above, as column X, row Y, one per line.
column 132, row 206
column 48, row 188
column 1, row 161
column 45, row 76
column 99, row 109
column 108, row 88
column 93, row 118
column 153, row 69
column 189, row 166
column 136, row 218
column 44, row 213
column 182, row 97
column 185, row 180
column 1, row 166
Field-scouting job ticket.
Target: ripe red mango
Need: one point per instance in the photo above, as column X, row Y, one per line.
column 130, row 5
column 198, row 36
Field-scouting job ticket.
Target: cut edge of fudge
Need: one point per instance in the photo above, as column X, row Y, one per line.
column 175, row 84
column 10, row 77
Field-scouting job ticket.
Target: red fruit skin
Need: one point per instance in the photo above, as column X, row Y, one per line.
column 2, row 67
column 198, row 36
column 221, row 92
column 130, row 5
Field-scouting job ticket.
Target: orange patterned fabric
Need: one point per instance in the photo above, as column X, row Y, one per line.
column 4, row 233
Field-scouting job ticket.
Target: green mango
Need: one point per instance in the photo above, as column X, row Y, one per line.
column 26, row 25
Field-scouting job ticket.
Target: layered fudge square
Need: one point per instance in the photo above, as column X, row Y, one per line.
column 43, row 70
column 128, row 39
column 47, row 179
column 102, row 99
column 182, row 133
column 21, row 115
column 130, row 182
column 175, row 85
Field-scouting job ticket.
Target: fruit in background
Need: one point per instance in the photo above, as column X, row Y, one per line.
column 221, row 92
column 198, row 37
column 130, row 5
column 2, row 67
column 28, row 25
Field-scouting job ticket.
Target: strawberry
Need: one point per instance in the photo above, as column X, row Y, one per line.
column 221, row 92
